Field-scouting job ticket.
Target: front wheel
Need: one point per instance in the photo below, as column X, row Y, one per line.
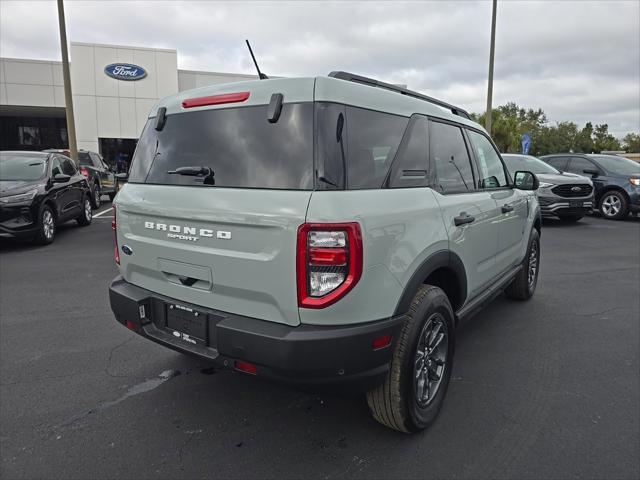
column 524, row 285
column 47, row 227
column 614, row 205
column 86, row 216
column 412, row 394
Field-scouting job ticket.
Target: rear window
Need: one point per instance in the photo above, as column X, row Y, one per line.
column 84, row 159
column 22, row 166
column 239, row 145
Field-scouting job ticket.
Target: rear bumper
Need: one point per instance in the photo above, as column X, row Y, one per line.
column 306, row 354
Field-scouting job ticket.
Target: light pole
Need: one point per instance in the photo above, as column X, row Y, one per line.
column 68, row 99
column 487, row 119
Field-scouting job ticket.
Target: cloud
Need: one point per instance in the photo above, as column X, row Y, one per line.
column 577, row 60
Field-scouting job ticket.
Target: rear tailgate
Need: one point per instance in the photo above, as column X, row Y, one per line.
column 228, row 249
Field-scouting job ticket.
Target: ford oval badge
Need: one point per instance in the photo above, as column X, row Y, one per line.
column 125, row 71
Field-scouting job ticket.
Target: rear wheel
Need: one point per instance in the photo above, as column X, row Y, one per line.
column 47, row 227
column 95, row 197
column 86, row 216
column 411, row 396
column 570, row 218
column 112, row 195
column 524, row 285
column 614, row 205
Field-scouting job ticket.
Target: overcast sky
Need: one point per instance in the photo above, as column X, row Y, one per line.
column 577, row 60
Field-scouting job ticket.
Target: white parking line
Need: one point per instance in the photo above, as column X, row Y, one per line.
column 102, row 212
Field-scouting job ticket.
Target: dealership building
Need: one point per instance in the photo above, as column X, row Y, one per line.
column 114, row 88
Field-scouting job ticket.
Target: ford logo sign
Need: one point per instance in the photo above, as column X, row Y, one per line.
column 576, row 189
column 125, row 71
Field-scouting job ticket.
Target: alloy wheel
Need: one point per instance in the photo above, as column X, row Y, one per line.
column 611, row 205
column 48, row 224
column 96, row 196
column 88, row 212
column 533, row 264
column 430, row 359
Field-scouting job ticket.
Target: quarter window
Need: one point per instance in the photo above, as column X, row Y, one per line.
column 450, row 157
column 490, row 166
column 373, row 140
column 56, row 168
column 410, row 168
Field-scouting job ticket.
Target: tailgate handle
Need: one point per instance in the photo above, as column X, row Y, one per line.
column 188, row 281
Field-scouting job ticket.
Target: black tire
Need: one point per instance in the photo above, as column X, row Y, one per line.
column 613, row 205
column 96, row 193
column 112, row 195
column 84, row 219
column 570, row 218
column 395, row 403
column 46, row 226
column 524, row 286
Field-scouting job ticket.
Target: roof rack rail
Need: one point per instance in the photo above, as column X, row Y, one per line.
column 352, row 77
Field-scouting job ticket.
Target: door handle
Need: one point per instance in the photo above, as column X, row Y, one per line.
column 463, row 219
column 507, row 208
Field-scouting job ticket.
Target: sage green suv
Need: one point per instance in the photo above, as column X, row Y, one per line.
column 329, row 230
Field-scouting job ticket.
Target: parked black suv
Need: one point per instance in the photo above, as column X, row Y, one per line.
column 616, row 180
column 101, row 177
column 39, row 191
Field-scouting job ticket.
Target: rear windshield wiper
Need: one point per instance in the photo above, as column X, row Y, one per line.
column 192, row 171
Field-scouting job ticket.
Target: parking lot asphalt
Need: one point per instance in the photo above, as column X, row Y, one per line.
column 543, row 389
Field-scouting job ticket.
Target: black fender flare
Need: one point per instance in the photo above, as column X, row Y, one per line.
column 439, row 259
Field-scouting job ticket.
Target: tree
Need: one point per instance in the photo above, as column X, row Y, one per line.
column 510, row 122
column 632, row 143
column 584, row 140
column 603, row 140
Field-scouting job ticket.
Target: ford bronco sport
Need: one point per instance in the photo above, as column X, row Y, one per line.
column 321, row 230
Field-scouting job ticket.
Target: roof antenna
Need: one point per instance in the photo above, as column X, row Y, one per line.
column 261, row 75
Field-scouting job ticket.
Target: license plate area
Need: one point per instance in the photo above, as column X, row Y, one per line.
column 187, row 324
column 575, row 203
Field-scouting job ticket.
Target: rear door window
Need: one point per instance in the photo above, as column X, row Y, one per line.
column 558, row 162
column 490, row 166
column 450, row 158
column 238, row 145
column 373, row 140
column 579, row 165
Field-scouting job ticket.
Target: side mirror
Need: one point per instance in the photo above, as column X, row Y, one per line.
column 591, row 171
column 122, row 176
column 61, row 178
column 525, row 181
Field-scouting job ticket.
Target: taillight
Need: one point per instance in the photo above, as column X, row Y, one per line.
column 215, row 100
column 329, row 262
column 84, row 172
column 114, row 227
